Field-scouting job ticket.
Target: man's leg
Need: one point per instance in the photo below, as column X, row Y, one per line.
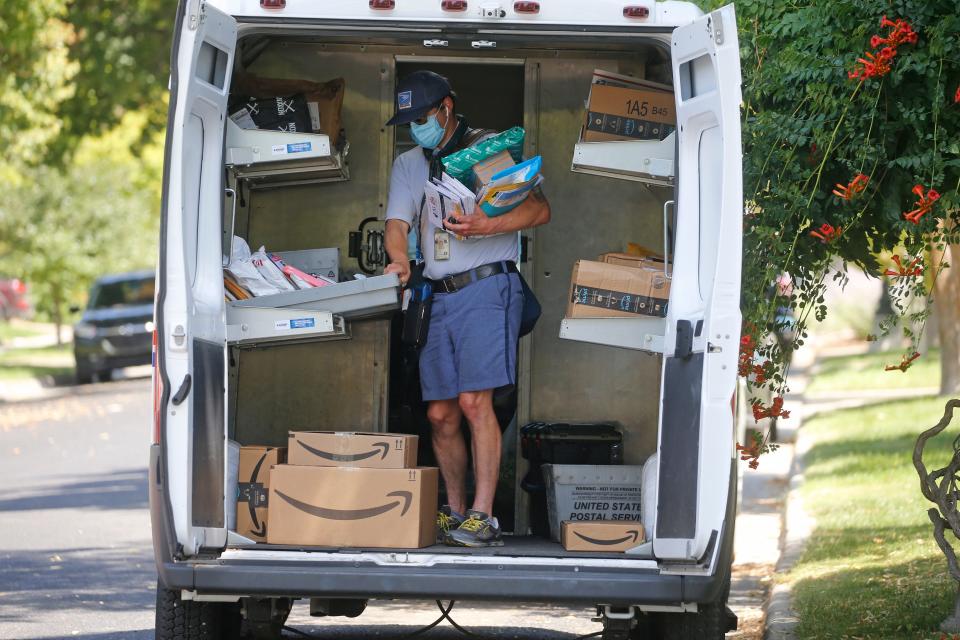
column 477, row 406
column 450, row 450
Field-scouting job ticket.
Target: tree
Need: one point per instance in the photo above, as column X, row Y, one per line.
column 851, row 150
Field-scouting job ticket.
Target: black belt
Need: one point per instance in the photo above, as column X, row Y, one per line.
column 458, row 281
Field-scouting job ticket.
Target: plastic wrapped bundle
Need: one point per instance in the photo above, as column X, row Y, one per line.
column 458, row 164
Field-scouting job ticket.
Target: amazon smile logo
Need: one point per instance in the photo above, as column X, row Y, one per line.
column 404, row 498
column 383, row 448
column 632, row 533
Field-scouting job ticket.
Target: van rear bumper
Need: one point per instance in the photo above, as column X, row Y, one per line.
column 350, row 579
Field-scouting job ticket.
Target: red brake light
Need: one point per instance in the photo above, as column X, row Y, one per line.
column 454, row 5
column 526, row 7
column 273, row 4
column 382, row 5
column 632, row 11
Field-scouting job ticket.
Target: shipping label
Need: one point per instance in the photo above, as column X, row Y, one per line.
column 252, row 493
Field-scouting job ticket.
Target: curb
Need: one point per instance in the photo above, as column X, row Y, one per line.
column 781, row 618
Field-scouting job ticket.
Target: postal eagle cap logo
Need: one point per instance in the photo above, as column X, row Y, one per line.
column 404, row 100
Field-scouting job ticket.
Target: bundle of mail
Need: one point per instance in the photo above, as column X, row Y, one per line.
column 249, row 275
column 448, row 199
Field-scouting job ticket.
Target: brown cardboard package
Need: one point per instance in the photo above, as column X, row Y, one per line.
column 619, row 113
column 252, row 489
column 486, row 169
column 630, row 260
column 353, row 507
column 352, row 449
column 601, row 290
column 601, row 535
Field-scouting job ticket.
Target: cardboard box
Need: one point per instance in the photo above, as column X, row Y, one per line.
column 486, row 169
column 601, row 536
column 619, row 113
column 601, row 290
column 253, row 484
column 353, row 507
column 352, row 449
column 630, row 260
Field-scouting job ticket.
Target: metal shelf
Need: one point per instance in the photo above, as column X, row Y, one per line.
column 351, row 299
column 642, row 333
column 650, row 161
column 249, row 326
column 265, row 158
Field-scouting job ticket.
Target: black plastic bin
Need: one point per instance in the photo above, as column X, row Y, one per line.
column 563, row 443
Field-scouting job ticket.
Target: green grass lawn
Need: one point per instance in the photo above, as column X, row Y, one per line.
column 18, row 329
column 871, row 570
column 863, row 372
column 19, row 364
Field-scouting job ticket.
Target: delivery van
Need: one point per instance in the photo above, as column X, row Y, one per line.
column 659, row 175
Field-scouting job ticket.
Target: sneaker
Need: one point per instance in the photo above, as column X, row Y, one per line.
column 447, row 520
column 478, row 530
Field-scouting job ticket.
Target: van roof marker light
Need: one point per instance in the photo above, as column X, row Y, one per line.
column 454, row 5
column 635, row 11
column 526, row 7
column 383, row 5
column 273, row 4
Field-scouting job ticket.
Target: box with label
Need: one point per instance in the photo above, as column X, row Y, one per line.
column 253, row 484
column 603, row 535
column 486, row 169
column 353, row 507
column 591, row 493
column 620, row 113
column 601, row 290
column 352, row 449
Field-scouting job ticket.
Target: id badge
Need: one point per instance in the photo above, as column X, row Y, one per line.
column 441, row 245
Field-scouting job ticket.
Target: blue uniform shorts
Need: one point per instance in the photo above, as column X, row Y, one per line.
column 472, row 341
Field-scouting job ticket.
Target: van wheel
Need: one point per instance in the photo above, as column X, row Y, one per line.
column 708, row 623
column 178, row 619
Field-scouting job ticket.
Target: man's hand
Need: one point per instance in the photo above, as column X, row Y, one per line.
column 471, row 226
column 401, row 268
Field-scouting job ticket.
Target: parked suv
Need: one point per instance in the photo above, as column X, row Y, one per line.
column 237, row 371
column 116, row 328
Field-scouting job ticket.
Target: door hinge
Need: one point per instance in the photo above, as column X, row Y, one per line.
column 196, row 14
column 435, row 43
column 716, row 22
column 483, row 44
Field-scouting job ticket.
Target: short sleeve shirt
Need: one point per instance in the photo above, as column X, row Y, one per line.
column 411, row 170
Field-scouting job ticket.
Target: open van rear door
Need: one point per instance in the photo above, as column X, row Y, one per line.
column 703, row 321
column 190, row 304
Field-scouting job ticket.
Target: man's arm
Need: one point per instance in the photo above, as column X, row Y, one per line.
column 395, row 241
column 532, row 212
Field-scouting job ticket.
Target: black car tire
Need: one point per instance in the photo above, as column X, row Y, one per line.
column 178, row 619
column 83, row 373
column 710, row 622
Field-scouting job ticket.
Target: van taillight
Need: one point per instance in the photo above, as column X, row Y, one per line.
column 636, row 12
column 157, row 391
column 526, row 7
column 454, row 5
column 382, row 5
column 273, row 4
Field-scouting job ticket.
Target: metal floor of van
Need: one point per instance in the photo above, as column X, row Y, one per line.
column 529, row 546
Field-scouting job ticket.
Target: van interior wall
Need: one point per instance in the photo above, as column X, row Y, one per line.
column 591, row 215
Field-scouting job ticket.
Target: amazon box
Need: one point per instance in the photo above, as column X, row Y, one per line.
column 630, row 260
column 628, row 113
column 353, row 507
column 486, row 169
column 601, row 536
column 352, row 449
column 253, row 485
column 602, row 290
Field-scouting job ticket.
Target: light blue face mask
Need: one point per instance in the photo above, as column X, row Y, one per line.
column 429, row 134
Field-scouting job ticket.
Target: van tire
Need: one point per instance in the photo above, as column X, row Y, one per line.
column 710, row 622
column 178, row 619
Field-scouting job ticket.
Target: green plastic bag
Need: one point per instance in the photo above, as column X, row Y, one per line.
column 457, row 165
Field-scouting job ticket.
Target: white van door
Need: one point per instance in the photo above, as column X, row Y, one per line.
column 703, row 322
column 191, row 299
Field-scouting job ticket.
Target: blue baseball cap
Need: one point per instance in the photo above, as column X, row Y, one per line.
column 417, row 94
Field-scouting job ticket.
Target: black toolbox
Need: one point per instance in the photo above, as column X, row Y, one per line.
column 563, row 443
